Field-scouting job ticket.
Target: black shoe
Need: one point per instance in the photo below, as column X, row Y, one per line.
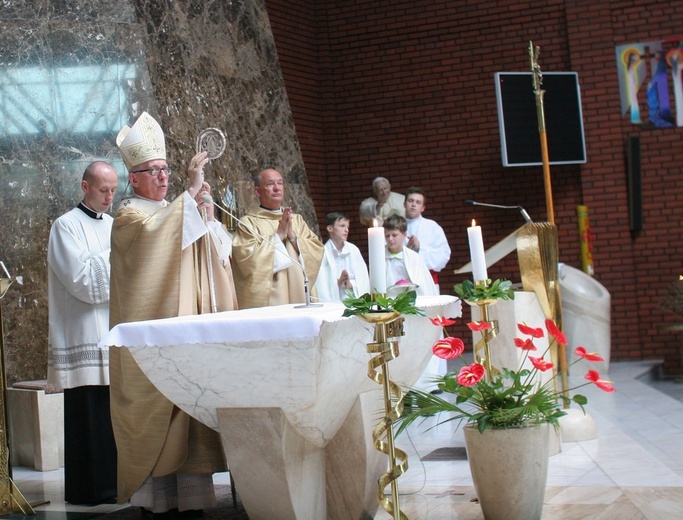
column 147, row 514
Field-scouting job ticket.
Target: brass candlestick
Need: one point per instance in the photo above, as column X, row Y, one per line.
column 387, row 325
column 486, row 334
column 11, row 499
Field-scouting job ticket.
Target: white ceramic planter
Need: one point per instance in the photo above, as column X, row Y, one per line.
column 509, row 469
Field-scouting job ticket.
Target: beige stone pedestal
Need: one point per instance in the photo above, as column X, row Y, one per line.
column 36, row 428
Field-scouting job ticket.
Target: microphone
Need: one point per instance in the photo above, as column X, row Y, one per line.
column 209, row 200
column 520, row 208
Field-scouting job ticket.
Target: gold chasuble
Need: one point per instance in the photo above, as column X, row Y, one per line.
column 152, row 277
column 255, row 282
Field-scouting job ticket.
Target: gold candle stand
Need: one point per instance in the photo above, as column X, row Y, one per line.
column 11, row 499
column 486, row 334
column 387, row 325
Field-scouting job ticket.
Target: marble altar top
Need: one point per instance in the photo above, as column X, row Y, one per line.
column 310, row 362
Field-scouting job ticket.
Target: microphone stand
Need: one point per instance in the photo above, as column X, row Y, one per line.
column 207, row 243
column 520, row 208
column 307, row 292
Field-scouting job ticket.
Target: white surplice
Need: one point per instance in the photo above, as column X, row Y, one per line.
column 78, row 299
column 334, row 262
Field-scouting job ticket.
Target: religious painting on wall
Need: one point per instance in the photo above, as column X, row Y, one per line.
column 644, row 70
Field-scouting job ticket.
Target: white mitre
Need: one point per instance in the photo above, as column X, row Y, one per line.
column 141, row 143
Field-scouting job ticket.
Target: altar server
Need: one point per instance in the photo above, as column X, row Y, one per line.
column 272, row 248
column 78, row 315
column 160, row 270
column 342, row 268
column 403, row 263
column 425, row 236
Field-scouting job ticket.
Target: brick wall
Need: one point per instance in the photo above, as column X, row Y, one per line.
column 404, row 89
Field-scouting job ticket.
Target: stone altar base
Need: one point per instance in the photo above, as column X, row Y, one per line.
column 337, row 482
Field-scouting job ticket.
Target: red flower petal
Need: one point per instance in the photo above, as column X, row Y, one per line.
column 555, row 332
column 594, row 377
column 477, row 326
column 448, row 348
column 540, row 363
column 530, row 331
column 525, row 344
column 592, row 356
column 470, row 375
column 440, row 321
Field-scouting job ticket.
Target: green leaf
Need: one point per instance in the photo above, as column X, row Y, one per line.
column 580, row 399
column 404, row 303
column 499, row 289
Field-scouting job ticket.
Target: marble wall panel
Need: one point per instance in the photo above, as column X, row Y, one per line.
column 73, row 72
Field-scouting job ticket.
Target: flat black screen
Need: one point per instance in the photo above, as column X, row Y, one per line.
column 518, row 122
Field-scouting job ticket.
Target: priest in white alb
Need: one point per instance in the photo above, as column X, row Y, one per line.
column 78, row 313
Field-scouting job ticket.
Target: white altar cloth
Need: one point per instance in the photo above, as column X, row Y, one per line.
column 310, row 362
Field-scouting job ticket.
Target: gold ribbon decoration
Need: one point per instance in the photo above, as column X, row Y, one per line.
column 387, row 326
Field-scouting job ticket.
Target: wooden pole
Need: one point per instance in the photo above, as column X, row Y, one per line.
column 554, row 294
column 538, row 80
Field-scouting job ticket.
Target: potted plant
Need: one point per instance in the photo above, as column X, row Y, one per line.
column 507, row 413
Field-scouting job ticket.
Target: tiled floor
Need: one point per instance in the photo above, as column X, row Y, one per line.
column 633, row 470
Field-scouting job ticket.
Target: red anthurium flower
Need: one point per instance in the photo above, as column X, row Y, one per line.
column 555, row 332
column 448, row 348
column 594, row 377
column 530, row 331
column 525, row 344
column 588, row 356
column 440, row 321
column 470, row 375
column 477, row 326
column 540, row 363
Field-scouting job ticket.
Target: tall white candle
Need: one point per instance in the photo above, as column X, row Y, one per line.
column 378, row 268
column 477, row 252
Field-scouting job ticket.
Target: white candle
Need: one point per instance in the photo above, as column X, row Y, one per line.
column 477, row 252
column 378, row 268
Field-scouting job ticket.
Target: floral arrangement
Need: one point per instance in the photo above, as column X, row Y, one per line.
column 498, row 290
column 403, row 303
column 503, row 399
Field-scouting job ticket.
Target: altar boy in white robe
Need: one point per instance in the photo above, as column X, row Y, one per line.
column 342, row 268
column 403, row 264
column 425, row 236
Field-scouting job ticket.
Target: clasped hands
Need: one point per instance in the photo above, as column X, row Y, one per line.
column 284, row 228
column 413, row 243
column 344, row 281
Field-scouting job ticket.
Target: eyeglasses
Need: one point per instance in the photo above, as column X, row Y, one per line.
column 155, row 171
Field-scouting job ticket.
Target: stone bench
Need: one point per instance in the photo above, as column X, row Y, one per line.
column 35, row 413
